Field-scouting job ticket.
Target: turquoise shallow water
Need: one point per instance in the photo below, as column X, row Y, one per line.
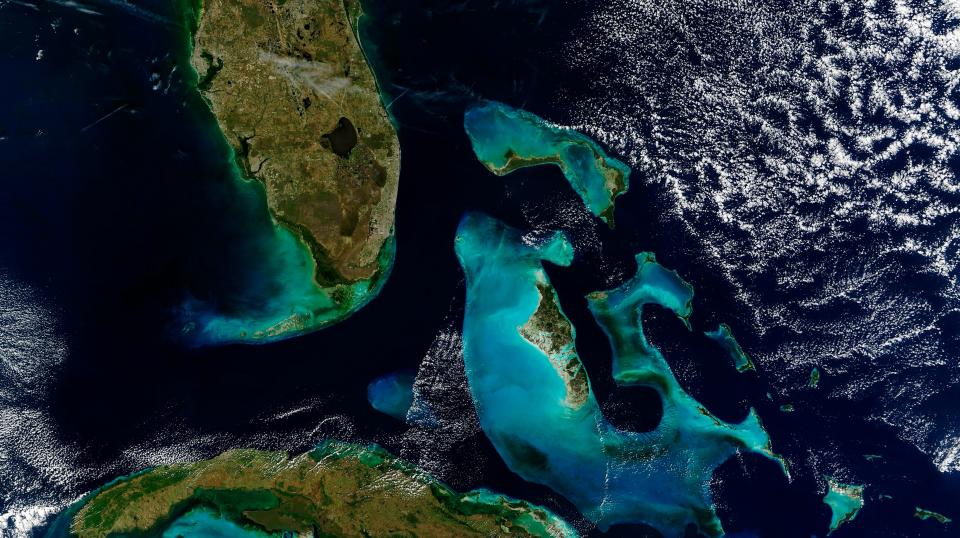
column 281, row 298
column 160, row 198
column 660, row 477
column 619, row 312
column 200, row 523
column 844, row 500
column 392, row 394
column 723, row 335
column 506, row 138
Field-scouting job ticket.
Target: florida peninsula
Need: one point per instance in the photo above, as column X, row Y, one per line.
column 338, row 489
column 293, row 94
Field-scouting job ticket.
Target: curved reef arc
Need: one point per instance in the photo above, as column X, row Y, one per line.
column 723, row 335
column 515, row 331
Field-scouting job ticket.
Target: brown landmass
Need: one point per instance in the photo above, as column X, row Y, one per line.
column 336, row 490
column 293, row 94
column 550, row 330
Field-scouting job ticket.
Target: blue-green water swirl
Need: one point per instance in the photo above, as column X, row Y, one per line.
column 660, row 477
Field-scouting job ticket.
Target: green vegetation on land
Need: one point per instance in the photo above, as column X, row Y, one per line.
column 337, row 489
column 293, row 95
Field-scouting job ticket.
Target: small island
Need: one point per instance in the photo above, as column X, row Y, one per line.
column 294, row 97
column 844, row 500
column 506, row 139
column 336, row 490
column 552, row 333
column 520, row 353
column 814, row 378
column 723, row 335
column 923, row 514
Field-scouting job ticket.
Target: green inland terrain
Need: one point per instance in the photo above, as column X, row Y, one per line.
column 338, row 489
column 293, row 94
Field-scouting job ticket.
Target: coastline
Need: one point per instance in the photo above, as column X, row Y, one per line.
column 269, row 482
column 313, row 306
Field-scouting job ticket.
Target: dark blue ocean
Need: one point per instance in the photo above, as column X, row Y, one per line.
column 117, row 202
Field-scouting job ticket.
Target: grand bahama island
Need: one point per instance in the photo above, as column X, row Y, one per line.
column 505, row 139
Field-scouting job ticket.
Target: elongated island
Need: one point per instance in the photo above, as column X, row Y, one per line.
column 392, row 394
column 534, row 399
column 923, row 514
column 723, row 335
column 294, row 96
column 505, row 139
column 336, row 490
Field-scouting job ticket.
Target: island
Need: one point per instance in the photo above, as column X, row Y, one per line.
column 844, row 500
column 392, row 394
column 505, row 139
column 520, row 354
column 923, row 514
column 552, row 333
column 292, row 93
column 723, row 335
column 814, row 378
column 336, row 490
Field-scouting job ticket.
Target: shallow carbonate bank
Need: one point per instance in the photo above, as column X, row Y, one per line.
column 392, row 394
column 337, row 489
column 505, row 139
column 515, row 331
column 844, row 500
column 723, row 335
column 293, row 95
